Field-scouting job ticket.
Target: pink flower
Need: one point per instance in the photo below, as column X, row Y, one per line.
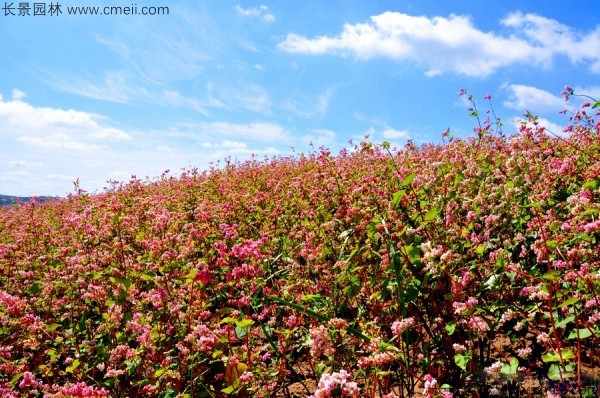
column 487, row 97
column 336, row 382
column 28, row 381
column 400, row 326
column 430, row 386
column 320, row 342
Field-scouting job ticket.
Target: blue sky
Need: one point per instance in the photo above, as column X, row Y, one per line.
column 105, row 97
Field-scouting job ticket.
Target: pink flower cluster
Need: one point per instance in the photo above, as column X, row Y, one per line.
column 336, row 384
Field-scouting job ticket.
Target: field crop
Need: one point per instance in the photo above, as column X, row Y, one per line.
column 468, row 268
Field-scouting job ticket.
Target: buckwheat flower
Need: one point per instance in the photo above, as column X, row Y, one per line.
column 336, row 382
column 28, row 381
column 114, row 373
column 543, row 338
column 493, row 369
column 519, row 326
column 478, row 324
column 487, row 97
column 338, row 323
column 430, row 386
column 320, row 342
column 245, row 377
column 400, row 326
column 458, row 348
column 593, row 319
column 524, row 352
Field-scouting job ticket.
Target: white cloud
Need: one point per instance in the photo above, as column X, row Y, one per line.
column 535, row 100
column 60, row 141
column 42, row 125
column 18, row 95
column 557, row 37
column 260, row 12
column 392, row 134
column 454, row 44
column 44, row 149
column 523, row 97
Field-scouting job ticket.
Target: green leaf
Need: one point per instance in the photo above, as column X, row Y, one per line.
column 160, row 372
column 566, row 321
column 52, row 327
column 408, row 180
column 16, row 378
column 462, row 361
column 413, row 253
column 480, row 250
column 596, row 105
column 398, row 195
column 192, row 274
column 52, row 354
column 74, row 365
column 228, row 390
column 591, row 184
column 569, row 302
column 122, row 281
column 510, row 368
column 579, row 333
column 432, row 214
column 556, row 373
column 450, row 328
column 244, row 323
column 565, row 353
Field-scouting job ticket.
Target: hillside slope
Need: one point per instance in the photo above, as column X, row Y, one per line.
column 470, row 267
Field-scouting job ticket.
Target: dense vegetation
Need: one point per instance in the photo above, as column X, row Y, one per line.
column 468, row 268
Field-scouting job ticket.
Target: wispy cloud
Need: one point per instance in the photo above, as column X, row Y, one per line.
column 315, row 107
column 454, row 44
column 239, row 97
column 114, row 86
column 125, row 88
column 157, row 54
column 261, row 12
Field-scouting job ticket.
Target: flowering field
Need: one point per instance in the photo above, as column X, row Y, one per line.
column 469, row 268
